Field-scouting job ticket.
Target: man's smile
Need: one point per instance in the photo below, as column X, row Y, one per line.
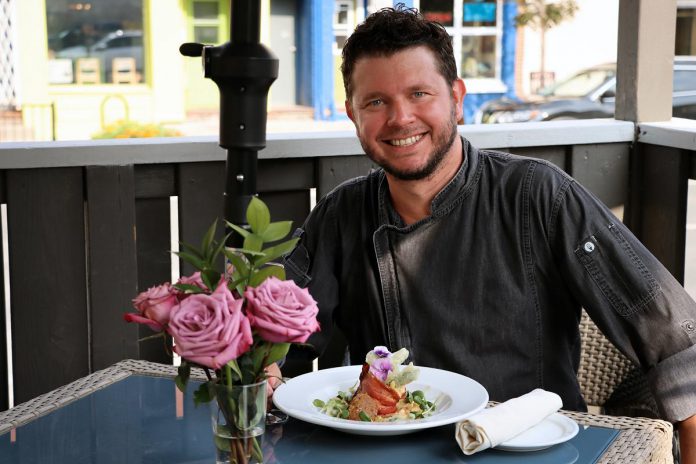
column 406, row 141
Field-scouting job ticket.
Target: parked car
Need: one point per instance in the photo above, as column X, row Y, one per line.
column 115, row 44
column 588, row 94
column 81, row 34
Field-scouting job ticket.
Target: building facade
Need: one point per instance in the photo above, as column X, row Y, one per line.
column 92, row 62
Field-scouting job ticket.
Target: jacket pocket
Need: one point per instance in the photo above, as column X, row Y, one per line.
column 297, row 262
column 619, row 273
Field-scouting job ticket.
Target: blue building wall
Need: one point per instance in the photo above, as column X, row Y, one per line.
column 473, row 101
column 315, row 60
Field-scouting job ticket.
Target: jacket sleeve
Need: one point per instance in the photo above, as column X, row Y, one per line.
column 312, row 265
column 629, row 294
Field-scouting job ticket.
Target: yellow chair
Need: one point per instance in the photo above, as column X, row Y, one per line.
column 87, row 71
column 123, row 71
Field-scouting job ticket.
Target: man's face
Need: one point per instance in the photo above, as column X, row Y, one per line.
column 405, row 113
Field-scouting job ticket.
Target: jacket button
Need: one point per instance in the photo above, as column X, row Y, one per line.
column 589, row 247
column 689, row 326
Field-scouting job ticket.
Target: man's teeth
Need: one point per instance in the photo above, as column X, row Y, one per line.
column 406, row 141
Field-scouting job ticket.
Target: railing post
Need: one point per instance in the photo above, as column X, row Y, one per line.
column 645, row 54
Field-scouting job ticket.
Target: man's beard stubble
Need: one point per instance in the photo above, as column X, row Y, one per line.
column 441, row 146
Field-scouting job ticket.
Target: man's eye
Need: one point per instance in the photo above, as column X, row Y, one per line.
column 419, row 94
column 376, row 102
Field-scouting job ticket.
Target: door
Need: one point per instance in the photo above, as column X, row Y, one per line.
column 283, row 14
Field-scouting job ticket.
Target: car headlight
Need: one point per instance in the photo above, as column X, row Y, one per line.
column 515, row 116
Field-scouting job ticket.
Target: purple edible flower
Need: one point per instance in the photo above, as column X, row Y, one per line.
column 380, row 368
column 381, row 351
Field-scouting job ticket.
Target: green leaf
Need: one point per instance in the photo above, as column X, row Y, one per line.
column 278, row 250
column 278, row 352
column 240, row 266
column 258, row 354
column 318, row 403
column 218, row 248
column 193, row 260
column 276, row 231
column 235, row 368
column 208, row 238
column 191, row 249
column 248, row 252
column 240, row 230
column 184, row 372
column 258, row 216
column 246, row 367
column 253, row 242
column 262, row 274
column 223, row 444
column 210, row 278
column 188, row 288
column 237, row 285
column 202, row 394
column 364, row 417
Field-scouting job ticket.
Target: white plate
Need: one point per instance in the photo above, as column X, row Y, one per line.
column 455, row 396
column 553, row 430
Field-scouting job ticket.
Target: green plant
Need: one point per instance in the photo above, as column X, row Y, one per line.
column 126, row 129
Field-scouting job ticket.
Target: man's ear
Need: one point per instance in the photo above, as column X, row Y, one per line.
column 349, row 111
column 458, row 93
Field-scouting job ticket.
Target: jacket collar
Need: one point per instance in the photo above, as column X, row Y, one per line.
column 460, row 184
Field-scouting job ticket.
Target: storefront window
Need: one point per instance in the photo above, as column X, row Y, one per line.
column 441, row 11
column 476, row 29
column 478, row 56
column 206, row 21
column 95, row 41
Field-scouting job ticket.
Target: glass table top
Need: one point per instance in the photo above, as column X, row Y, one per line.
column 138, row 420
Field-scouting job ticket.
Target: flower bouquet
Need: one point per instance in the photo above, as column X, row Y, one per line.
column 233, row 323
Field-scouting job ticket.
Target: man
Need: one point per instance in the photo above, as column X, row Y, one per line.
column 476, row 261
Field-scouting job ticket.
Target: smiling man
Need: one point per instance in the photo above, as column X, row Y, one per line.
column 405, row 115
column 477, row 261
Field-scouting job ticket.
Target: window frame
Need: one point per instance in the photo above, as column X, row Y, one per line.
column 343, row 29
column 458, row 31
column 205, row 22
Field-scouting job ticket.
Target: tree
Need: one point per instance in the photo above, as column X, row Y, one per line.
column 542, row 15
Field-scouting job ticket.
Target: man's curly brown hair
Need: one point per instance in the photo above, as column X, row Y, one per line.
column 392, row 30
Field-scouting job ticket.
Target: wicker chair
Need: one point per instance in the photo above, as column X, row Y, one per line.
column 608, row 379
column 618, row 387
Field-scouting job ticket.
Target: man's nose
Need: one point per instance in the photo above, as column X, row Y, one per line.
column 400, row 113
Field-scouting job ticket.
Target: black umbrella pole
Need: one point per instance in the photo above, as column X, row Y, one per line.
column 240, row 187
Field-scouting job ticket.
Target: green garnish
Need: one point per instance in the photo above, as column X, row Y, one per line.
column 364, row 417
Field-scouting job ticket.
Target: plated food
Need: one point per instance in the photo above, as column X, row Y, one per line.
column 380, row 393
column 455, row 397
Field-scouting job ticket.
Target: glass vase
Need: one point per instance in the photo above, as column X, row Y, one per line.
column 238, row 415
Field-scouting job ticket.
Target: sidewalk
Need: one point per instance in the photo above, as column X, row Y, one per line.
column 283, row 120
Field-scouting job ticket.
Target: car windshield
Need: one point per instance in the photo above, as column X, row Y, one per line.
column 578, row 85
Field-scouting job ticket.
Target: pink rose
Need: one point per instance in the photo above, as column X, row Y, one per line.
column 193, row 279
column 210, row 330
column 282, row 312
column 155, row 305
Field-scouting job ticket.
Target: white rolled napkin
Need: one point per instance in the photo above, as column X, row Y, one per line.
column 498, row 424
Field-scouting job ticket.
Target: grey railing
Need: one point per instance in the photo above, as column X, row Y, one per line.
column 88, row 223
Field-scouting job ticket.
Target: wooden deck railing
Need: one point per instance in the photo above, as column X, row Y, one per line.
column 88, row 223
